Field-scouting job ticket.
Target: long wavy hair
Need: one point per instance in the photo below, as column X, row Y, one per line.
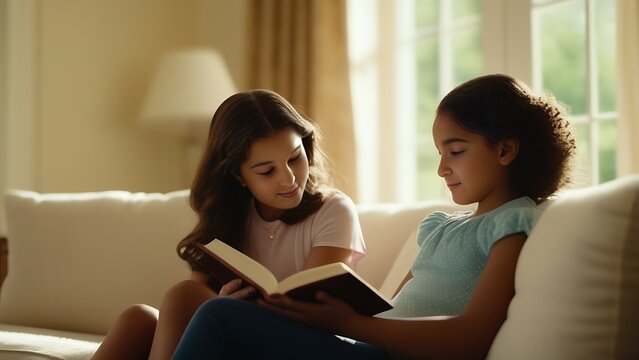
column 498, row 107
column 219, row 200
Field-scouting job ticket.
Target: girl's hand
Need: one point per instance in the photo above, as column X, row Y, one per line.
column 235, row 290
column 328, row 314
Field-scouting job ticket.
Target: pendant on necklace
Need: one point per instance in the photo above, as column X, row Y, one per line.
column 273, row 230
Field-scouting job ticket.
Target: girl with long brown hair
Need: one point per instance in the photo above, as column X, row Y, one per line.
column 262, row 188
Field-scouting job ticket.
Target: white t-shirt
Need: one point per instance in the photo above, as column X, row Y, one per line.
column 283, row 248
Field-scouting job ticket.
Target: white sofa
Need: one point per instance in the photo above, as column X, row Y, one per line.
column 77, row 260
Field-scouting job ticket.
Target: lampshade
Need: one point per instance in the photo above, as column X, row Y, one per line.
column 186, row 89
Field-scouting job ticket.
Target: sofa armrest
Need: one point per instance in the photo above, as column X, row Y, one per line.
column 4, row 252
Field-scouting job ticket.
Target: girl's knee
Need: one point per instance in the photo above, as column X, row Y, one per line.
column 184, row 287
column 185, row 290
column 139, row 316
column 185, row 297
column 131, row 336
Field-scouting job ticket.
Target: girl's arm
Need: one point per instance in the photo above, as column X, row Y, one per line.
column 468, row 335
column 322, row 255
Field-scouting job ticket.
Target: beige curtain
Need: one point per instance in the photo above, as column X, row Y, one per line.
column 298, row 49
column 628, row 86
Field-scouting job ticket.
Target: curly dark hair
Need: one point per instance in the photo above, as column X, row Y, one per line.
column 218, row 198
column 498, row 107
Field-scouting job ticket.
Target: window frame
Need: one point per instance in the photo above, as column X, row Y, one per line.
column 508, row 43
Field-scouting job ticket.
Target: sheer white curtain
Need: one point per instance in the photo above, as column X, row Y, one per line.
column 628, row 86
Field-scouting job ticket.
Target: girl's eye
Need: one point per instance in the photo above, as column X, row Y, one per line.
column 455, row 153
column 269, row 172
column 293, row 159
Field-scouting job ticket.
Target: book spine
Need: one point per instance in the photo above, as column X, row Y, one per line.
column 216, row 272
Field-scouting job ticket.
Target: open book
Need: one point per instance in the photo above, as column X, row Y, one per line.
column 224, row 263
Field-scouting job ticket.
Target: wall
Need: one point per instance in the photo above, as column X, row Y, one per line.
column 223, row 26
column 88, row 64
column 97, row 58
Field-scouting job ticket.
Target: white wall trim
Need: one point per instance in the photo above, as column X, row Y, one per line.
column 510, row 23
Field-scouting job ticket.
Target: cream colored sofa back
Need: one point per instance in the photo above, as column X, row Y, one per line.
column 76, row 260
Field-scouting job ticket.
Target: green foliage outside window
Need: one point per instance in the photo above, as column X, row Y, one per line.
column 566, row 73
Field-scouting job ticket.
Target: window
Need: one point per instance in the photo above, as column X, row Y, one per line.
column 574, row 49
column 406, row 54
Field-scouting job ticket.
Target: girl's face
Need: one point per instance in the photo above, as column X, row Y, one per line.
column 276, row 172
column 475, row 171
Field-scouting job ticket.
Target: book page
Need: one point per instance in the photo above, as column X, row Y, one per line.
column 311, row 275
column 253, row 270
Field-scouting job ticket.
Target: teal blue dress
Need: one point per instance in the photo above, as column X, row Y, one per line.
column 454, row 249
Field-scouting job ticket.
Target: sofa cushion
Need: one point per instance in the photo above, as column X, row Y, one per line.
column 26, row 343
column 577, row 280
column 61, row 245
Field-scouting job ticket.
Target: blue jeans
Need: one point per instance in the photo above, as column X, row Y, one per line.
column 225, row 328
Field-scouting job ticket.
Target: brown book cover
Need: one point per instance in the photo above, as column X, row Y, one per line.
column 224, row 263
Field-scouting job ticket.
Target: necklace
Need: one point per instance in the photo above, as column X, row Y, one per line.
column 272, row 228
